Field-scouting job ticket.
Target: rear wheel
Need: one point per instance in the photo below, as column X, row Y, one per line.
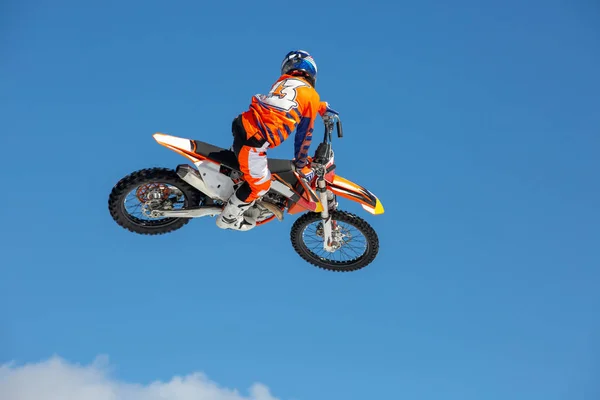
column 134, row 197
column 356, row 241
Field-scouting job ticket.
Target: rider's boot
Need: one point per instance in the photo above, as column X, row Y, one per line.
column 232, row 216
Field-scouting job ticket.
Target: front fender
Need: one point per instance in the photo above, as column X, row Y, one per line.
column 351, row 191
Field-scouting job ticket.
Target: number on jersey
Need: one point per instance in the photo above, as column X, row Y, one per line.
column 283, row 94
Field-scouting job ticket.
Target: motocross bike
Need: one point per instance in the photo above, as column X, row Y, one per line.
column 155, row 201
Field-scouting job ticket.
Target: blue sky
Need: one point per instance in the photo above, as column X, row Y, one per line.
column 476, row 124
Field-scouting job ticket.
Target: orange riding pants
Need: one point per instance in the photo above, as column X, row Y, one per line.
column 252, row 156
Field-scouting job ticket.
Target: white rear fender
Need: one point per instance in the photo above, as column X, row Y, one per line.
column 173, row 141
column 213, row 183
column 179, row 145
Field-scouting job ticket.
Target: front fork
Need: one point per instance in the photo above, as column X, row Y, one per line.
column 328, row 244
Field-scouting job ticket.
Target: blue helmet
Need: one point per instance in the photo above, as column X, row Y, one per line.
column 300, row 60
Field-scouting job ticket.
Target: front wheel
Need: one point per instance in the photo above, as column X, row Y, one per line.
column 356, row 241
column 134, row 198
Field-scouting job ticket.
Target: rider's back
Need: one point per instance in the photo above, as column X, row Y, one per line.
column 291, row 104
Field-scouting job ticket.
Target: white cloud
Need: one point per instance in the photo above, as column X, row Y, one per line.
column 57, row 379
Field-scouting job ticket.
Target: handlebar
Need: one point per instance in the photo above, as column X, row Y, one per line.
column 329, row 130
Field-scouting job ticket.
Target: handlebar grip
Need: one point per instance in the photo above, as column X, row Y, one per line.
column 339, row 128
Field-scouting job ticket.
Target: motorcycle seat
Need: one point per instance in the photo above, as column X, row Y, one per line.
column 281, row 167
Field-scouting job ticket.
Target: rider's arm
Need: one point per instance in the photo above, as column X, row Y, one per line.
column 313, row 106
column 303, row 139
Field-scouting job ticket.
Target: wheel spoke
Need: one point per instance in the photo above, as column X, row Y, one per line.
column 349, row 249
column 137, row 194
column 134, row 207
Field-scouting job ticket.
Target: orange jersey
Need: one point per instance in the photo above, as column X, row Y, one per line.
column 292, row 104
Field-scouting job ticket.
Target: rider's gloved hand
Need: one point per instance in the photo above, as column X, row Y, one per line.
column 303, row 168
column 299, row 164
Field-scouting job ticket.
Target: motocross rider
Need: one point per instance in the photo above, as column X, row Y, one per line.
column 292, row 104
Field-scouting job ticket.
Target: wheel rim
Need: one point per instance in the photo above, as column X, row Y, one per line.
column 152, row 195
column 353, row 244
